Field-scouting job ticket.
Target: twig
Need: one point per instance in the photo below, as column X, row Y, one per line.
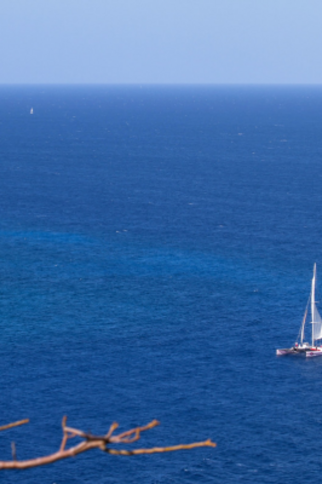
column 158, row 450
column 100, row 442
column 14, row 424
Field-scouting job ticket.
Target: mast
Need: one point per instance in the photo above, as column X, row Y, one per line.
column 313, row 302
column 303, row 325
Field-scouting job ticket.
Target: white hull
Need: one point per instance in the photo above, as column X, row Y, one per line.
column 283, row 352
column 308, row 352
column 315, row 352
column 292, row 351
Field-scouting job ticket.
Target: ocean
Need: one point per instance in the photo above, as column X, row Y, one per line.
column 156, row 247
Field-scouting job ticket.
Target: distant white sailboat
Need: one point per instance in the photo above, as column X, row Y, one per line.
column 302, row 347
column 32, row 111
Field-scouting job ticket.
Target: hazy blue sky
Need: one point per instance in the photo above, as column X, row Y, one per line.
column 160, row 41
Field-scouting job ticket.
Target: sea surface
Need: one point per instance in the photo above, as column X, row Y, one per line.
column 156, row 247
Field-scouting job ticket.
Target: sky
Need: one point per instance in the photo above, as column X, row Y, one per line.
column 160, row 41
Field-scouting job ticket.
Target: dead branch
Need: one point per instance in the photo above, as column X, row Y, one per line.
column 14, row 424
column 94, row 442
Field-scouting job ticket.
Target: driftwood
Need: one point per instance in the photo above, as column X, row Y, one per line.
column 90, row 441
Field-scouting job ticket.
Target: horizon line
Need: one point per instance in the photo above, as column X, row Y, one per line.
column 163, row 84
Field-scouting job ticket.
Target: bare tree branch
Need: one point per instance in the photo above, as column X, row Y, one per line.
column 14, row 424
column 94, row 441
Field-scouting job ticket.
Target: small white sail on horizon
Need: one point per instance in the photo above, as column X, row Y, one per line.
column 32, row 111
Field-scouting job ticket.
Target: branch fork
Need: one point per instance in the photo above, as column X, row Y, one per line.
column 90, row 441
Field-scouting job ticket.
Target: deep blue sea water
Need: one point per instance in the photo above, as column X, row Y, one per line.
column 156, row 247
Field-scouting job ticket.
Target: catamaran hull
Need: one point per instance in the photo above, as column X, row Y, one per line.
column 285, row 352
column 313, row 353
column 308, row 352
column 290, row 351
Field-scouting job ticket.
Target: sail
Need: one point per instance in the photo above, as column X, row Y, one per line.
column 317, row 321
column 316, row 318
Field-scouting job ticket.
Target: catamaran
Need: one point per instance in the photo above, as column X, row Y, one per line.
column 302, row 347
